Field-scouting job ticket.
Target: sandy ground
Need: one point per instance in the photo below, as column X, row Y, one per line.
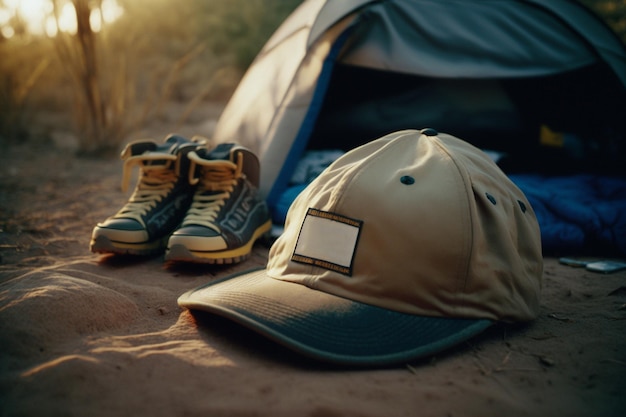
column 89, row 335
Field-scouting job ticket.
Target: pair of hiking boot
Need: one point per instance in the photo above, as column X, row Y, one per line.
column 197, row 204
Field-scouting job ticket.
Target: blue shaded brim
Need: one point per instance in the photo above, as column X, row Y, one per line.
column 327, row 327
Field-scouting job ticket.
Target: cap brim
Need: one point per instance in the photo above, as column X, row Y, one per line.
column 327, row 327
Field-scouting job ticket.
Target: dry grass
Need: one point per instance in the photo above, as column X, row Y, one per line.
column 14, row 92
column 101, row 87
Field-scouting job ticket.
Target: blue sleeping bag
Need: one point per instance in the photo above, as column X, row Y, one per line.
column 578, row 213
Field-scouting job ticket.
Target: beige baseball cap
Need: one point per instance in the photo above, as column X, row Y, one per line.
column 400, row 249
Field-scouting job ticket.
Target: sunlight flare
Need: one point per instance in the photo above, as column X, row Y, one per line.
column 38, row 16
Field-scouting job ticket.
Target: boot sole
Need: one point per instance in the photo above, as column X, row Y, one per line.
column 103, row 244
column 180, row 253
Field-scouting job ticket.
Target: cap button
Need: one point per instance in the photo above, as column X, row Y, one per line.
column 429, row 131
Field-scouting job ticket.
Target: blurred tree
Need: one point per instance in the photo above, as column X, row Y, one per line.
column 87, row 72
column 82, row 58
column 125, row 73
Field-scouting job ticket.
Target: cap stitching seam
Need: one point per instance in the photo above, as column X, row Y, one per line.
column 464, row 267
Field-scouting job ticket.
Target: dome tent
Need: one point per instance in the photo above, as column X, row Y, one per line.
column 337, row 74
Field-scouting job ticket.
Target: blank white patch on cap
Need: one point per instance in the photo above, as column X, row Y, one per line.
column 327, row 240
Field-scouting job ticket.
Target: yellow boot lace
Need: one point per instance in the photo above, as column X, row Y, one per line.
column 155, row 182
column 216, row 183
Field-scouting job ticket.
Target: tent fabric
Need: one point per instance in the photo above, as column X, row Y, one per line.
column 533, row 44
column 513, row 23
column 348, row 70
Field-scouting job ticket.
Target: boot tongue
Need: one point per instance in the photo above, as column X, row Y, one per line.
column 172, row 144
column 230, row 152
column 221, row 152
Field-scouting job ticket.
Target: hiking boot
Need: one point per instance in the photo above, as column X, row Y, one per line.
column 227, row 214
column 158, row 203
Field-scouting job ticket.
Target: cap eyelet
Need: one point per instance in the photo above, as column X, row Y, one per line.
column 491, row 198
column 407, row 180
column 522, row 206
